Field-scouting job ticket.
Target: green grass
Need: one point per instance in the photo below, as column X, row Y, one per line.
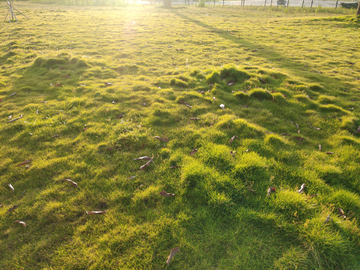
column 289, row 80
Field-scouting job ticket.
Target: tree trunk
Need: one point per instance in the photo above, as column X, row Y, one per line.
column 167, row 3
column 358, row 9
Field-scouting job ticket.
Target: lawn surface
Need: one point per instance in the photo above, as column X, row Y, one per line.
column 94, row 86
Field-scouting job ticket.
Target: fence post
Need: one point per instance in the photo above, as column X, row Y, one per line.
column 271, row 3
column 312, row 1
column 303, row 4
column 336, row 3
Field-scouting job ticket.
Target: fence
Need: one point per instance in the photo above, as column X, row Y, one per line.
column 292, row 3
column 286, row 3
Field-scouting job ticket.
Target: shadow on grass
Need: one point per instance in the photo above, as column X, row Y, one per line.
column 312, row 75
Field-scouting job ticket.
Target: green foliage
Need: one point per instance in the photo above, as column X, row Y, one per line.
column 201, row 3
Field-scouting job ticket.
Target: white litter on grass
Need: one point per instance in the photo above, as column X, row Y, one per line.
column 222, row 106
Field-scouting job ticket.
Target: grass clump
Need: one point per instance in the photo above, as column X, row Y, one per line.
column 260, row 94
column 292, row 206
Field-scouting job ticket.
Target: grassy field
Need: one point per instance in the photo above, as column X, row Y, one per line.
column 94, row 86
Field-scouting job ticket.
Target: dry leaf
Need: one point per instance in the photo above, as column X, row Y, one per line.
column 285, row 134
column 247, row 150
column 165, row 194
column 194, row 118
column 164, row 139
column 327, row 219
column 231, row 83
column 120, row 116
column 21, row 116
column 95, row 212
column 71, row 182
column 108, row 84
column 262, row 81
column 13, row 94
column 232, row 153
column 183, row 102
column 12, row 208
column 24, row 162
column 193, row 152
column 131, row 177
column 319, row 147
column 179, row 50
column 251, row 190
column 56, row 135
column 142, row 158
column 1, row 205
column 233, row 138
column 329, row 153
column 146, row 164
column 172, row 254
column 341, row 213
column 299, row 138
column 58, row 84
column 139, row 187
column 358, row 130
column 11, row 187
column 270, row 190
column 314, row 195
column 301, row 190
column 20, row 222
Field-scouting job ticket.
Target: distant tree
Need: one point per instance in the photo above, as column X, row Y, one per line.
column 167, row 3
column 358, row 10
